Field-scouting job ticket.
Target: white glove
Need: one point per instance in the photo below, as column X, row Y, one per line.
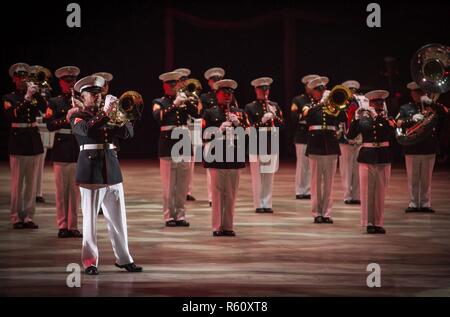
column 71, row 112
column 225, row 125
column 426, row 100
column 31, row 90
column 267, row 116
column 418, row 117
column 180, row 99
column 110, row 103
column 234, row 118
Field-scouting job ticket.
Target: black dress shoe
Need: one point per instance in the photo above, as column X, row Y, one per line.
column 18, row 225
column 190, row 198
column 348, row 201
column 259, row 210
column 130, row 267
column 302, row 196
column 40, row 200
column 318, row 219
column 63, row 233
column 171, row 223
column 210, row 204
column 217, row 233
column 380, row 230
column 426, row 209
column 229, row 233
column 371, row 230
column 91, row 270
column 411, row 209
column 100, row 211
column 356, row 202
column 268, row 210
column 75, row 233
column 182, row 223
column 30, row 225
column 327, row 220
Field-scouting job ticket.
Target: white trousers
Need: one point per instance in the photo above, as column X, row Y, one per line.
column 374, row 180
column 224, row 185
column 174, row 179
column 348, row 168
column 67, row 195
column 302, row 171
column 40, row 175
column 24, row 172
column 323, row 169
column 208, row 184
column 262, row 183
column 112, row 201
column 419, row 171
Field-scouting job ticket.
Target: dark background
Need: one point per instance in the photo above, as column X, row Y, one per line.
column 128, row 39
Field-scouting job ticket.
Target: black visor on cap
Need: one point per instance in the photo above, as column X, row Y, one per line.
column 378, row 101
column 320, row 88
column 21, row 73
column 184, row 78
column 93, row 89
column 171, row 82
column 69, row 78
column 227, row 90
column 264, row 87
column 215, row 78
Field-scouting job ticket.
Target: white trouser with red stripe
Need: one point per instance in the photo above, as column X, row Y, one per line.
column 224, row 185
column 374, row 180
column 24, row 172
column 419, row 171
column 302, row 171
column 174, row 179
column 323, row 170
column 262, row 180
column 348, row 168
column 112, row 201
column 40, row 174
column 67, row 195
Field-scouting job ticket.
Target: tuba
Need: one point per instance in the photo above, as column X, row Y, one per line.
column 336, row 100
column 430, row 69
column 127, row 108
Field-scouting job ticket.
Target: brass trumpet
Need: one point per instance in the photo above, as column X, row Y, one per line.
column 192, row 89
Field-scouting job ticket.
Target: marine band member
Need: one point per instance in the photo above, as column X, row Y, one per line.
column 98, row 174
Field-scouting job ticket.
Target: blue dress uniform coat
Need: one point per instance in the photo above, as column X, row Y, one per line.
column 24, row 141
column 255, row 112
column 214, row 117
column 65, row 146
column 373, row 130
column 323, row 142
column 169, row 115
column 98, row 166
column 430, row 144
column 208, row 99
column 300, row 125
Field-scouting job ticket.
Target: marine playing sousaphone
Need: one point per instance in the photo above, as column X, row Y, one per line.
column 430, row 69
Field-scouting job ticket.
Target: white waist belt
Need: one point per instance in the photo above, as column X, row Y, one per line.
column 376, row 144
column 64, row 131
column 171, row 127
column 302, row 122
column 266, row 128
column 23, row 125
column 108, row 146
column 322, row 127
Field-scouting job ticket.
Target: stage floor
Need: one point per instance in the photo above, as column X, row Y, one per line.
column 280, row 254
